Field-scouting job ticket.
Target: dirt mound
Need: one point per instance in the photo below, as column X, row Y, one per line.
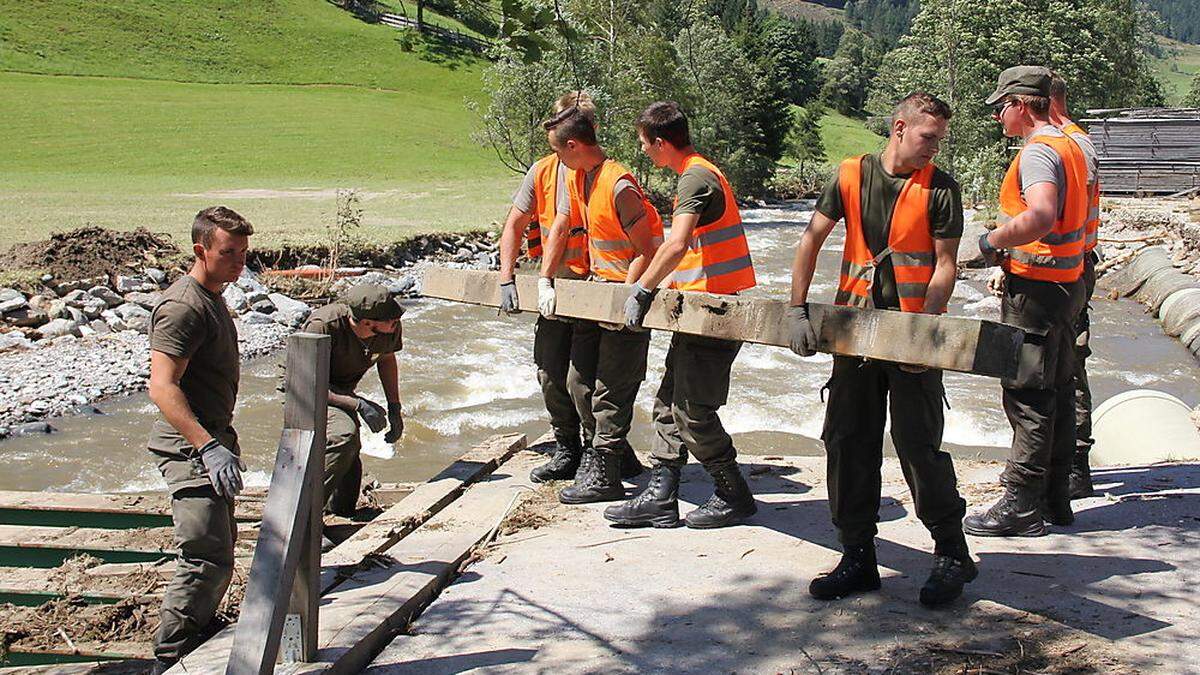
column 91, row 252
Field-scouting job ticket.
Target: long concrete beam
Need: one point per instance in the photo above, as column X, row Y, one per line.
column 950, row 343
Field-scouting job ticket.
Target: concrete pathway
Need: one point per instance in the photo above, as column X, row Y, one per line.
column 1113, row 593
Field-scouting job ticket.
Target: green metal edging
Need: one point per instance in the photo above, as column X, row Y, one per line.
column 17, row 556
column 110, row 521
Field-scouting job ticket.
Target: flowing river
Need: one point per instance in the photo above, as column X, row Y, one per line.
column 467, row 373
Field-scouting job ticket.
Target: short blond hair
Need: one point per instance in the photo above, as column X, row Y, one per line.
column 580, row 100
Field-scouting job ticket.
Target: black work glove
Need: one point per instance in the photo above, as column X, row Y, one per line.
column 372, row 414
column 508, row 298
column 803, row 336
column 636, row 305
column 991, row 254
column 395, row 423
column 224, row 469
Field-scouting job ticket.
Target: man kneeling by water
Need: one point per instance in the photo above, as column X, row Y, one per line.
column 194, row 372
column 364, row 330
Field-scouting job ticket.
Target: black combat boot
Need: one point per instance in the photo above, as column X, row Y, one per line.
column 730, row 504
column 563, row 464
column 598, row 480
column 1016, row 514
column 630, row 466
column 1081, row 477
column 1056, row 503
column 657, row 505
column 856, row 572
column 946, row 581
column 160, row 666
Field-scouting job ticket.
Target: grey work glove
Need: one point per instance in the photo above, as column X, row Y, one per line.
column 636, row 305
column 224, row 469
column 991, row 255
column 803, row 337
column 547, row 299
column 372, row 414
column 395, row 423
column 508, row 298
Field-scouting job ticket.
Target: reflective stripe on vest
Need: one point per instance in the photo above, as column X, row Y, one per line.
column 609, row 249
column 1058, row 256
column 910, row 244
column 545, row 210
column 717, row 259
column 1091, row 226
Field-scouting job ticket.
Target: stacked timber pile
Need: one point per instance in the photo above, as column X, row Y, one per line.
column 1147, row 151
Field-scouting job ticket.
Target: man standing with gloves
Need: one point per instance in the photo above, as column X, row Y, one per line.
column 194, row 374
column 706, row 251
column 608, row 363
column 541, row 206
column 364, row 331
column 1041, row 231
column 903, row 222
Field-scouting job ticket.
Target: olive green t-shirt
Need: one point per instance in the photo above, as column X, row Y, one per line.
column 699, row 192
column 880, row 190
column 350, row 357
column 192, row 322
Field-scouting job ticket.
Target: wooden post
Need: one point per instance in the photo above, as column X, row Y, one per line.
column 285, row 573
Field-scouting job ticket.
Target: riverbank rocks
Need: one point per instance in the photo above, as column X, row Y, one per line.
column 235, row 299
column 126, row 284
column 288, row 311
column 108, row 295
column 147, row 300
column 27, row 318
column 135, row 316
column 256, row 318
column 59, row 328
column 11, row 300
column 14, row 341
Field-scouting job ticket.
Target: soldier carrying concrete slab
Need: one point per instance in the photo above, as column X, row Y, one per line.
column 364, row 331
column 903, row 221
column 194, row 374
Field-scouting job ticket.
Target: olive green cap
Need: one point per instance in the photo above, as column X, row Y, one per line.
column 1027, row 80
column 374, row 302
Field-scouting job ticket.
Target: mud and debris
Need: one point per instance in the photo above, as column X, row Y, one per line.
column 91, row 251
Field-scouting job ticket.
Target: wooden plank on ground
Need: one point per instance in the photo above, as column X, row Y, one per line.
column 211, row 656
column 950, row 343
column 424, row 501
column 34, row 508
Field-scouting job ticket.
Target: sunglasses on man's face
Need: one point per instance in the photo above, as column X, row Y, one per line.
column 1000, row 107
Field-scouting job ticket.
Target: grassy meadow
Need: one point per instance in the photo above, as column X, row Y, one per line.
column 127, row 115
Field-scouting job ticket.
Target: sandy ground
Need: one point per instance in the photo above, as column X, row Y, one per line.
column 566, row 593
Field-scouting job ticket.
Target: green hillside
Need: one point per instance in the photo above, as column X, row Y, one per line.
column 266, row 106
column 1177, row 69
column 845, row 137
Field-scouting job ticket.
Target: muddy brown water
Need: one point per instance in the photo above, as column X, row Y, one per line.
column 467, row 374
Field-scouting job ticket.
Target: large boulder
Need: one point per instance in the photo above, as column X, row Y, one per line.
column 252, row 318
column 289, row 311
column 12, row 300
column 77, row 298
column 27, row 317
column 135, row 317
column 129, row 284
column 116, row 323
column 147, row 300
column 92, row 307
column 249, row 283
column 109, row 296
column 156, row 275
column 14, row 340
column 59, row 328
column 968, row 246
column 235, row 299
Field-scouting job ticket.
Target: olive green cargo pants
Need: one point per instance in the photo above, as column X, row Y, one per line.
column 694, row 386
column 343, row 462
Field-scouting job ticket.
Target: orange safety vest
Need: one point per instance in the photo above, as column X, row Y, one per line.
column 1092, row 225
column 1058, row 256
column 910, row 244
column 718, row 258
column 609, row 249
column 545, row 210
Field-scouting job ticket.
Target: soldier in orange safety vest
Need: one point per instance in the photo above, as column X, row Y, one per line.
column 1080, row 476
column 1039, row 242
column 903, row 220
column 608, row 362
column 706, row 251
column 539, row 205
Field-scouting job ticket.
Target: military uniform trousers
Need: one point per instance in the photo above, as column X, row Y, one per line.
column 552, row 356
column 1040, row 400
column 342, row 480
column 1083, row 393
column 205, row 532
column 860, row 395
column 607, row 369
column 694, row 386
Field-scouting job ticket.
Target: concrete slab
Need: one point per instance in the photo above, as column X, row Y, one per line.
column 564, row 592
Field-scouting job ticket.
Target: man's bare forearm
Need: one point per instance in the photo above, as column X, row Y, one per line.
column 555, row 245
column 389, row 377
column 510, row 241
column 172, row 402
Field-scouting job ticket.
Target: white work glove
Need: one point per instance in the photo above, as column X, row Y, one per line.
column 224, row 469
column 995, row 283
column 546, row 297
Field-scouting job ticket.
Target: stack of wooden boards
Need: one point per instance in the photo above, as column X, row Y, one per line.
column 1146, row 151
column 950, row 343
